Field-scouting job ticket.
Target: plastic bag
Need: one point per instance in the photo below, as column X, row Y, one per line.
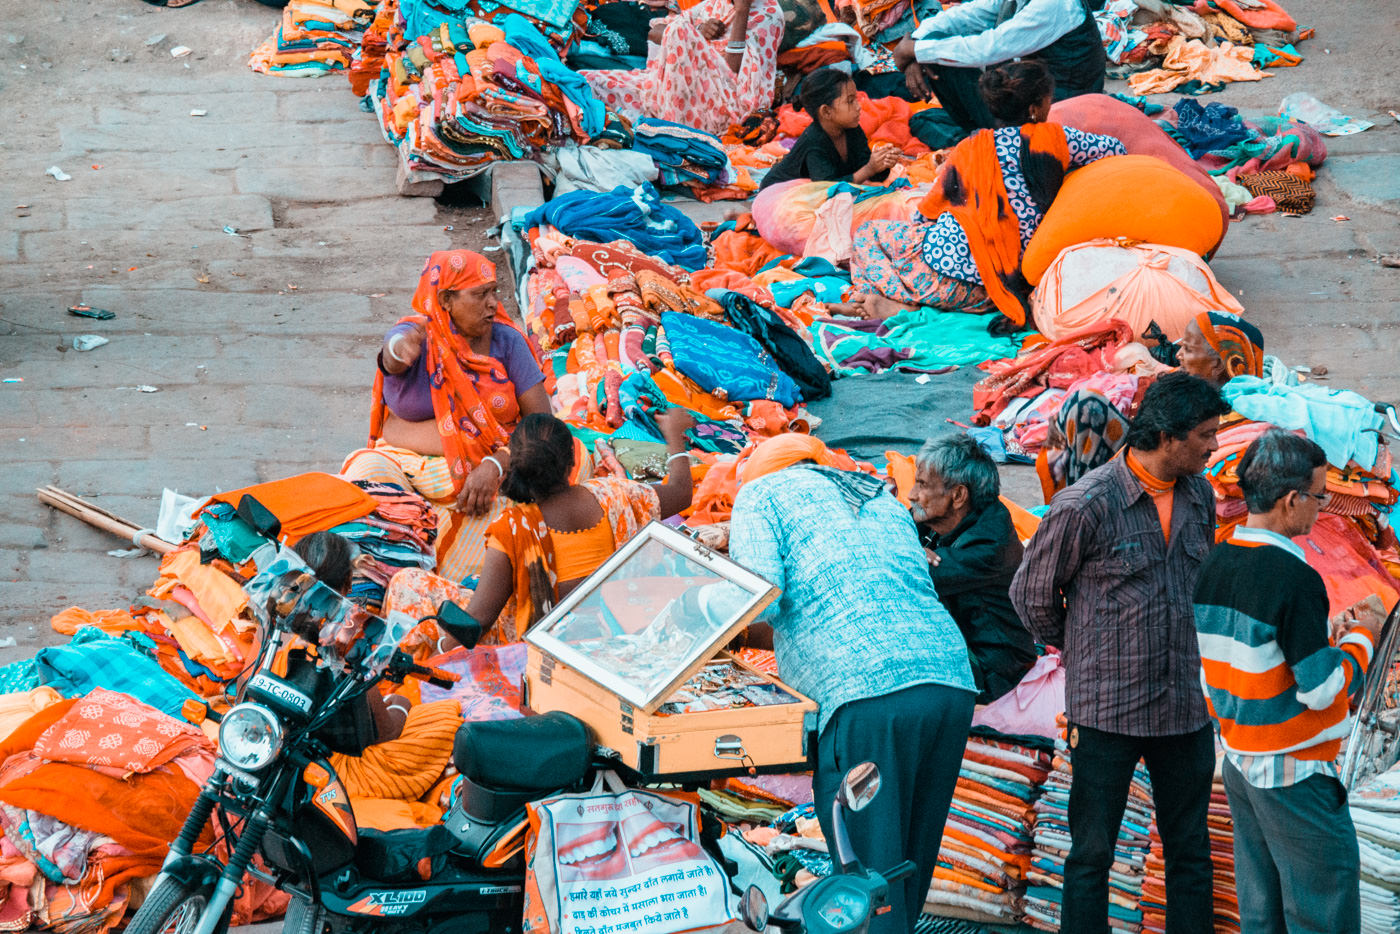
column 620, row 859
column 1032, row 707
column 1304, row 108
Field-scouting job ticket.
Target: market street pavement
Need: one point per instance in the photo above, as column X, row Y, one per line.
column 253, row 256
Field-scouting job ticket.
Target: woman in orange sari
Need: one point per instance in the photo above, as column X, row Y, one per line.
column 991, row 195
column 454, row 379
column 559, row 533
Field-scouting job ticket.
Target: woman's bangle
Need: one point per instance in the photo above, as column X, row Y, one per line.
column 500, row 471
column 685, row 454
column 733, row 48
column 389, row 349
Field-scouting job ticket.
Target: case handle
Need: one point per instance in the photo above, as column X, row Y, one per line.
column 731, row 746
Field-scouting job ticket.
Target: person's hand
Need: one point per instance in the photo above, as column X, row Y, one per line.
column 674, row 423
column 711, row 29
column 904, row 54
column 1368, row 614
column 933, row 559
column 479, row 490
column 404, row 349
column 917, row 82
column 658, row 29
column 885, row 157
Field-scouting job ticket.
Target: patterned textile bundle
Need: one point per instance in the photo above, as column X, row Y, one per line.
column 685, row 155
column 1222, row 853
column 1292, row 194
column 316, row 37
column 455, row 92
column 986, row 852
column 1045, row 894
column 398, row 534
column 1375, row 810
column 1269, row 143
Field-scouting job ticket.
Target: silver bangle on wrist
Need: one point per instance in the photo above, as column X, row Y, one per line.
column 500, row 471
column 685, row 454
column 736, row 48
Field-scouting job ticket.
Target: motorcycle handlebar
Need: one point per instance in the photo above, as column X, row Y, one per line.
column 903, row 871
column 437, row 677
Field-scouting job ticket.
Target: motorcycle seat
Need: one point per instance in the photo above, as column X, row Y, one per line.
column 540, row 753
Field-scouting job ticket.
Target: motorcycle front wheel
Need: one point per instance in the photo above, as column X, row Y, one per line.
column 175, row 907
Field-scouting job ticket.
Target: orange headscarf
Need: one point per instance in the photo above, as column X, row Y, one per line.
column 474, row 401
column 783, row 451
column 972, row 189
column 1238, row 343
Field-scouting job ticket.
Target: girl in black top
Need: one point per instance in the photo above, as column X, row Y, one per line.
column 834, row 147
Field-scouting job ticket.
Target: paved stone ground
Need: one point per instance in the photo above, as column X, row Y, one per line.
column 261, row 341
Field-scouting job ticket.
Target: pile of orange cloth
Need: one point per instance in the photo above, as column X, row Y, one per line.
column 883, row 119
column 203, row 647
column 986, row 852
column 399, row 783
column 306, row 503
column 1193, row 60
column 78, row 834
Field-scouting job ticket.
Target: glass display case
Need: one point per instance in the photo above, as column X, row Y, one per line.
column 636, row 652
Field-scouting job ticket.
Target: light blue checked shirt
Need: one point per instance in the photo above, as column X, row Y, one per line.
column 858, row 616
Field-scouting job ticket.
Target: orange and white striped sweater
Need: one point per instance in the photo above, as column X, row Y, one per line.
column 1273, row 679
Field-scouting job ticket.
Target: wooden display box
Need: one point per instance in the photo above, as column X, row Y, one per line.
column 685, row 746
column 639, row 628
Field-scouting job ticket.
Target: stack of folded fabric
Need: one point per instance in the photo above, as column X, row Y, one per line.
column 684, row 155
column 1222, row 854
column 986, row 851
column 455, row 92
column 1375, row 810
column 398, row 534
column 316, row 37
column 1044, row 896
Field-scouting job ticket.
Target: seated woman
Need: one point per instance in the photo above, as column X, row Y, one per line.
column 992, row 194
column 1088, row 430
column 1217, row 347
column 454, row 379
column 833, row 148
column 559, row 533
column 693, row 75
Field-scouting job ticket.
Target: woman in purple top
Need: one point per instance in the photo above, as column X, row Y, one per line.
column 453, row 382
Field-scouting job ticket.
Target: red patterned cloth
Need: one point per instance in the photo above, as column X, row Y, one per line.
column 119, row 736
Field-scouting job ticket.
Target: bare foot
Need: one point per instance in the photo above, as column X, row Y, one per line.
column 851, row 309
column 878, row 307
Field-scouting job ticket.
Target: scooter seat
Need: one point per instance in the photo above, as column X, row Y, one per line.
column 540, row 753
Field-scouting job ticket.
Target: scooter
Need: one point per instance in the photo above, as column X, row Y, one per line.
column 841, row 903
column 274, row 794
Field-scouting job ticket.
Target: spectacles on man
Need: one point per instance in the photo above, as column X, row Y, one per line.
column 1322, row 498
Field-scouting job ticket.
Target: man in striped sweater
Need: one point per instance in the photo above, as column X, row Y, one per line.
column 1280, row 690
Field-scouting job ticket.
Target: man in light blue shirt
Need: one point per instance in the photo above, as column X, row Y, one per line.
column 859, row 629
column 946, row 53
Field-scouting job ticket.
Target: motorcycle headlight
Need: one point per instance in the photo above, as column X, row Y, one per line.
column 250, row 737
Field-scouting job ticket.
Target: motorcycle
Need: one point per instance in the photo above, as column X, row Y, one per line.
column 274, row 794
column 841, row 903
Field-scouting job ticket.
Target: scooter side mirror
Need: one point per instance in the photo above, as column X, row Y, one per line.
column 860, row 786
column 753, row 908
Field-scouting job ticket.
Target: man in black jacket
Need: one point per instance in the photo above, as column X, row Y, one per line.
column 973, row 553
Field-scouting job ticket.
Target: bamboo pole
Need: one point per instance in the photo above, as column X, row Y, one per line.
column 100, row 518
